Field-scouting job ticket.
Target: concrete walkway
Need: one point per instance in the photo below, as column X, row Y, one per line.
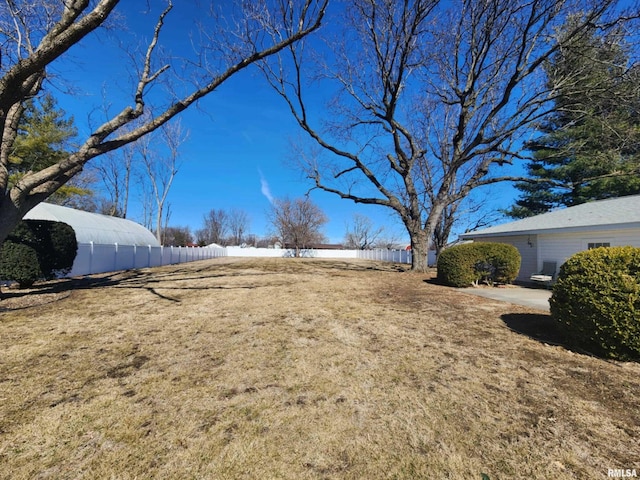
column 529, row 297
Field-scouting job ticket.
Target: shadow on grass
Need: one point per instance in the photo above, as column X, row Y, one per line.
column 50, row 291
column 189, row 278
column 545, row 329
column 539, row 326
column 152, row 280
column 433, row 280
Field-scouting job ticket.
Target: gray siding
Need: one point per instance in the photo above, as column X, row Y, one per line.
column 559, row 247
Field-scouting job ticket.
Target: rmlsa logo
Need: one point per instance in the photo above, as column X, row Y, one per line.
column 622, row 473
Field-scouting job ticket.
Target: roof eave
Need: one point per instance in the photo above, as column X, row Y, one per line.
column 540, row 231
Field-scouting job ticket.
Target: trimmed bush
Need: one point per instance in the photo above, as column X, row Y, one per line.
column 597, row 300
column 19, row 262
column 471, row 263
column 56, row 248
column 46, row 250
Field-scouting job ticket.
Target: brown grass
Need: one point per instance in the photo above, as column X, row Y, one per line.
column 300, row 369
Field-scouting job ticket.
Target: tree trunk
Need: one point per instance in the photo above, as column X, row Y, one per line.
column 10, row 215
column 159, row 225
column 419, row 251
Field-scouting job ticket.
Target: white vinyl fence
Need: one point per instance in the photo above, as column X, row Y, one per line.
column 382, row 255
column 98, row 258
column 395, row 256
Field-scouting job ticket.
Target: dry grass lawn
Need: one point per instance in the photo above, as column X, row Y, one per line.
column 299, row 369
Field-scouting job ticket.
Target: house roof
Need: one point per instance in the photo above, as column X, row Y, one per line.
column 93, row 227
column 613, row 213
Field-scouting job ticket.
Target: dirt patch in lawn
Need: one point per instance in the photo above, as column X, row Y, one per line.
column 301, row 369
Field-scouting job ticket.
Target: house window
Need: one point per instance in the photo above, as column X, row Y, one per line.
column 591, row 245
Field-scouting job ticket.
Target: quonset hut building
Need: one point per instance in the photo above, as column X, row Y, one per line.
column 104, row 243
column 93, row 227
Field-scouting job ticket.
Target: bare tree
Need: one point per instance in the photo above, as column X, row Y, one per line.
column 177, row 236
column 297, row 222
column 215, row 228
column 469, row 213
column 362, row 234
column 251, row 239
column 433, row 97
column 147, row 202
column 115, row 170
column 34, row 34
column 238, row 226
column 159, row 153
column 390, row 241
column 266, row 242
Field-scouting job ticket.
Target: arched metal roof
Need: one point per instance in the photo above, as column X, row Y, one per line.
column 93, row 227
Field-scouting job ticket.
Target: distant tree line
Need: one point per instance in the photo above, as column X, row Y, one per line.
column 224, row 228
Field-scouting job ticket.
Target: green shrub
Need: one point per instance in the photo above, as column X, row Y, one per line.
column 56, row 248
column 19, row 262
column 470, row 263
column 37, row 249
column 597, row 300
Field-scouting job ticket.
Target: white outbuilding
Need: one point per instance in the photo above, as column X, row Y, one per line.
column 110, row 244
column 93, row 227
column 553, row 237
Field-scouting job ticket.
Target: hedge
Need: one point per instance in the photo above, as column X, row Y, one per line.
column 37, row 249
column 597, row 301
column 19, row 262
column 471, row 263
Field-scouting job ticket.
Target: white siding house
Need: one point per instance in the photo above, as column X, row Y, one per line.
column 557, row 235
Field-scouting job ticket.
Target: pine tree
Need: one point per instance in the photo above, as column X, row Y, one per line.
column 589, row 148
column 43, row 136
column 44, row 139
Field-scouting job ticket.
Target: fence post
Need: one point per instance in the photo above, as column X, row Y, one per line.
column 115, row 257
column 90, row 258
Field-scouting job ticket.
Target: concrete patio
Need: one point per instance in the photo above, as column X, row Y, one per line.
column 537, row 298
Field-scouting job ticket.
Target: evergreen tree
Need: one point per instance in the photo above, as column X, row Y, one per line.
column 589, row 148
column 44, row 138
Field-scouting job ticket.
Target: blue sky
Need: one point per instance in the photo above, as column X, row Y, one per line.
column 239, row 137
